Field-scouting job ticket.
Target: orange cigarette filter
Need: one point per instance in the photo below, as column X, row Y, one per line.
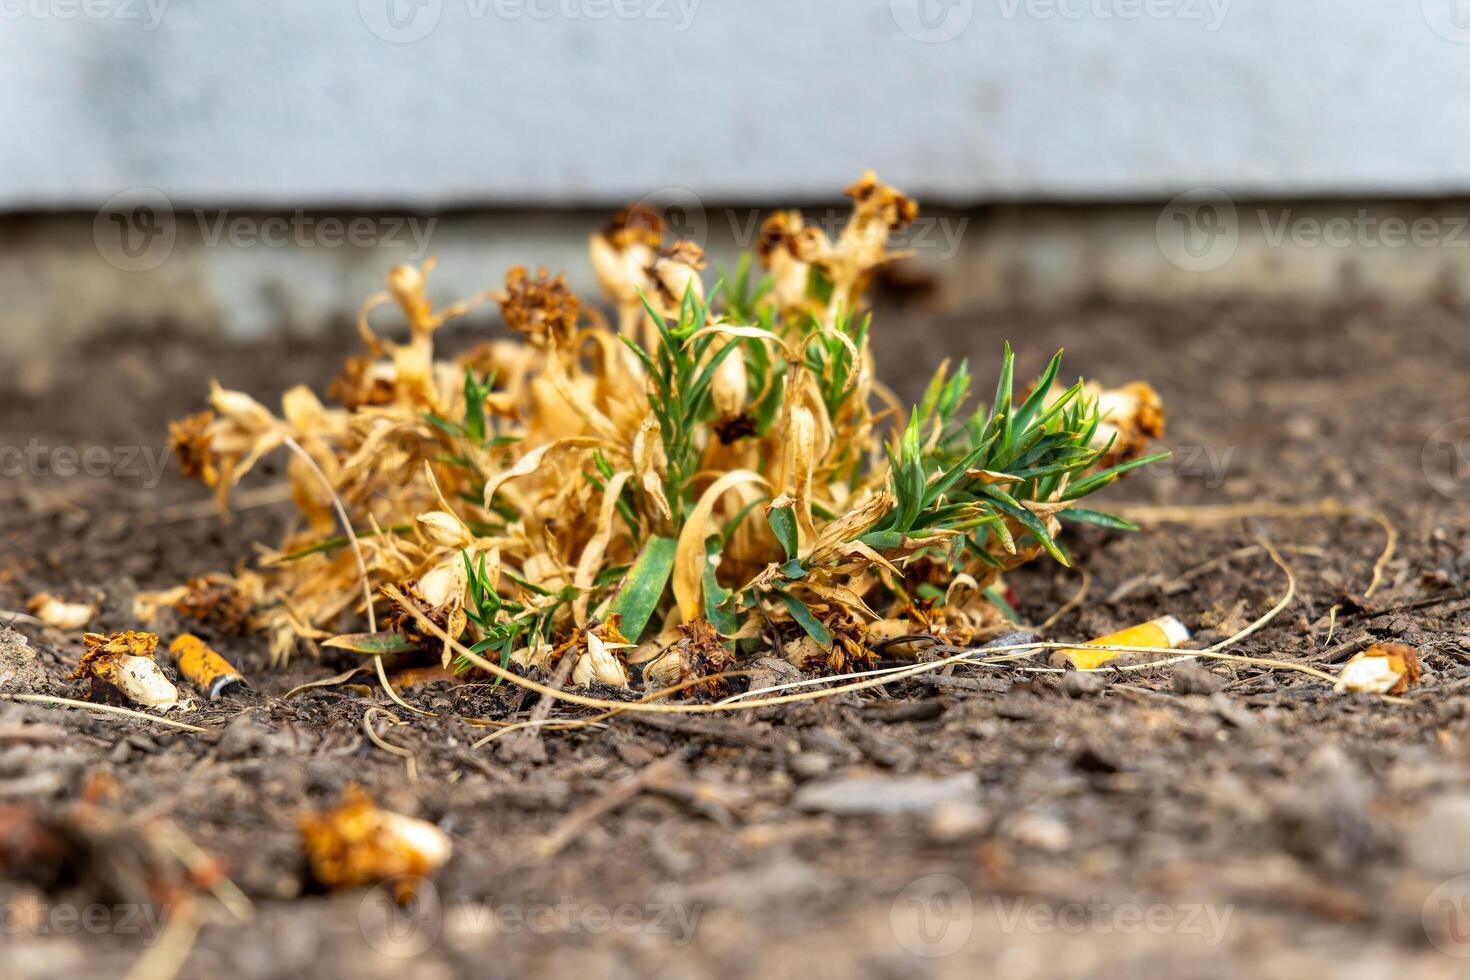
column 1164, row 633
column 204, row 668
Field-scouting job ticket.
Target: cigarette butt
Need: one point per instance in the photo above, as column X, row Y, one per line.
column 204, row 668
column 1164, row 633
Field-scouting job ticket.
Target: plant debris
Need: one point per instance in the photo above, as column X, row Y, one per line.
column 356, row 844
column 720, row 468
column 60, row 614
column 1386, row 668
column 122, row 665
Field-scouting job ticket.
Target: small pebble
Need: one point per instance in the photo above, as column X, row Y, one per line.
column 1083, row 683
column 242, row 737
column 810, row 765
column 1193, row 678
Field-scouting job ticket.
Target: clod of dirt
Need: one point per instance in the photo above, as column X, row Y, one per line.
column 1083, row 683
column 1325, row 815
column 1192, row 678
column 1041, row 831
column 876, row 796
column 957, row 820
column 241, row 738
column 20, row 669
column 769, row 672
column 1440, row 840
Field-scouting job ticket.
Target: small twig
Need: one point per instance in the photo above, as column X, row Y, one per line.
column 1070, row 604
column 386, row 746
column 167, row 956
column 1231, row 512
column 362, row 570
column 49, row 700
column 620, row 793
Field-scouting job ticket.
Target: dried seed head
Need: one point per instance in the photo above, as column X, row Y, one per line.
column 635, row 225
column 677, row 269
column 363, row 382
column 218, row 602
column 541, row 309
column 189, row 439
column 445, row 530
column 875, row 201
column 699, row 652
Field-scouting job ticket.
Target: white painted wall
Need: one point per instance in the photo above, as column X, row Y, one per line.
column 319, row 103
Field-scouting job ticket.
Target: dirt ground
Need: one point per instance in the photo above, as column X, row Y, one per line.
column 1228, row 821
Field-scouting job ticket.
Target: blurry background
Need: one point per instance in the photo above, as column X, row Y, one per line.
column 248, row 165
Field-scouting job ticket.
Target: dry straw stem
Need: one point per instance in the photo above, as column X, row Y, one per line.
column 385, row 745
column 49, row 701
column 1231, row 512
column 1007, row 653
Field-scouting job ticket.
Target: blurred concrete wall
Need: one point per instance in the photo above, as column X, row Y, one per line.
column 244, row 165
column 438, row 103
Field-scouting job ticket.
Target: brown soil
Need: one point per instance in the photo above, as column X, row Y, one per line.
column 1239, row 822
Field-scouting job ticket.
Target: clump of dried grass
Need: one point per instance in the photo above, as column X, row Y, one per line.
column 721, row 464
